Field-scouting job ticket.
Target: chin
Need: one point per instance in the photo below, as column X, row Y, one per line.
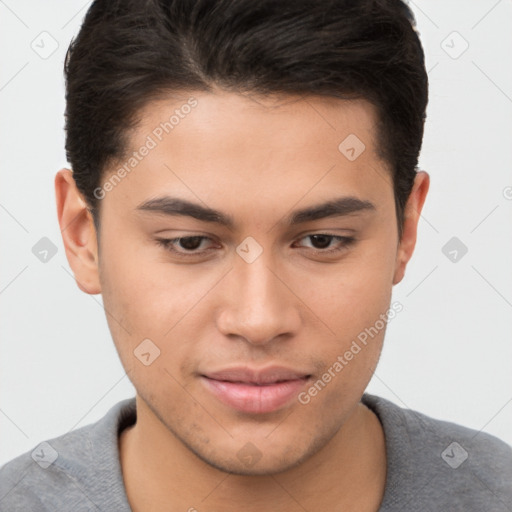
column 261, row 468
column 248, row 460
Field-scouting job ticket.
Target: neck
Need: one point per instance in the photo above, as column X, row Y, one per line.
column 349, row 473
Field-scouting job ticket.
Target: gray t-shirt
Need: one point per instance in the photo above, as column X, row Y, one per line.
column 432, row 466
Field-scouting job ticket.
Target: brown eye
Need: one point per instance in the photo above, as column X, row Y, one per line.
column 322, row 242
column 190, row 242
column 184, row 245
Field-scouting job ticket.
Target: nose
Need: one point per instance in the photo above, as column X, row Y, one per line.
column 257, row 303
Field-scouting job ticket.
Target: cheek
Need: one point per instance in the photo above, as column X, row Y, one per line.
column 352, row 300
column 134, row 305
column 140, row 287
column 350, row 295
column 146, row 297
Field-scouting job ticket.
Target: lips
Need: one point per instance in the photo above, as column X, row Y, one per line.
column 269, row 375
column 255, row 391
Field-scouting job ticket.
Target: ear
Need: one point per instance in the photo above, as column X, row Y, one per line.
column 78, row 232
column 412, row 213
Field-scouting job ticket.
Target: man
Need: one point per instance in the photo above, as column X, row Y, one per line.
column 244, row 195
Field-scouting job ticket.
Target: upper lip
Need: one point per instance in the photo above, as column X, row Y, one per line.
column 248, row 375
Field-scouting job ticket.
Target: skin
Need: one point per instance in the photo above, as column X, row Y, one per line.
column 256, row 159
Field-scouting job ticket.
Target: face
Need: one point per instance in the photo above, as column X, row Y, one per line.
column 242, row 257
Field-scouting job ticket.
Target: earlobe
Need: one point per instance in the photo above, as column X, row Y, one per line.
column 412, row 214
column 78, row 232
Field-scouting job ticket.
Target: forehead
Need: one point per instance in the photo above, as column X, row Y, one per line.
column 258, row 151
column 237, row 125
column 221, row 113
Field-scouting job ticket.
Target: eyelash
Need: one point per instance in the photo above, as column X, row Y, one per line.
column 167, row 244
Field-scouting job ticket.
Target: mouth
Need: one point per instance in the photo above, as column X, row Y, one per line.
column 255, row 391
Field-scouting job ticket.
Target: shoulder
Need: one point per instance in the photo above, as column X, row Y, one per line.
column 36, row 479
column 70, row 472
column 442, row 463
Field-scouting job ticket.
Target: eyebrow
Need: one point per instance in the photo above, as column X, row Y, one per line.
column 173, row 206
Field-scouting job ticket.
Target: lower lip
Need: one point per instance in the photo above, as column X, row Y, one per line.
column 254, row 399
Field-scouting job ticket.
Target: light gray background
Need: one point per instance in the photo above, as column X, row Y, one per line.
column 447, row 354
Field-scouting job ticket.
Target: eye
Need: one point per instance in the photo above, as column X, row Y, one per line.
column 185, row 245
column 188, row 246
column 322, row 242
